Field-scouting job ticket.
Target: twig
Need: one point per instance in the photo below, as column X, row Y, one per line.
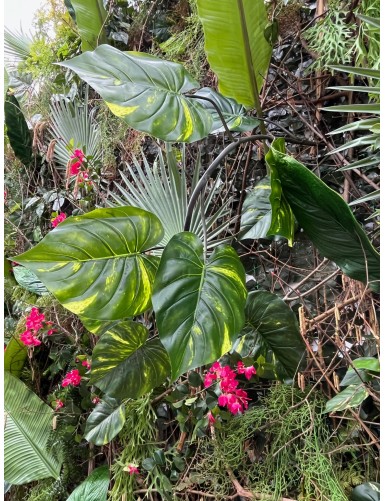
column 331, row 311
column 300, row 296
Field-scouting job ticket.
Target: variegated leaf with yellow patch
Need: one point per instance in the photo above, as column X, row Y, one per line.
column 96, row 264
column 145, row 91
column 199, row 305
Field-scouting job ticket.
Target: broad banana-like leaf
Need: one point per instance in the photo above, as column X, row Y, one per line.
column 17, row 130
column 199, row 305
column 233, row 113
column 96, row 264
column 14, row 356
column 90, row 18
column 145, row 91
column 28, row 424
column 105, row 421
column 326, row 218
column 126, row 364
column 236, row 47
column 271, row 333
column 256, row 211
column 94, row 487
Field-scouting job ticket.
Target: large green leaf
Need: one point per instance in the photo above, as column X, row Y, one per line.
column 90, row 18
column 271, row 333
column 199, row 305
column 326, row 218
column 15, row 356
column 256, row 211
column 28, row 424
column 96, row 264
column 233, row 113
column 126, row 364
column 17, row 130
column 236, row 47
column 94, row 487
column 352, row 396
column 105, row 421
column 29, row 281
column 146, row 92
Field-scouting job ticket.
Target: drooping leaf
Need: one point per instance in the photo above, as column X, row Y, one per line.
column 94, row 487
column 199, row 305
column 355, row 377
column 17, row 130
column 367, row 363
column 352, row 396
column 234, row 113
column 146, row 92
column 90, row 19
column 29, row 281
column 126, row 364
column 70, row 9
column 326, row 218
column 28, row 424
column 271, row 332
column 105, row 421
column 96, row 264
column 14, row 356
column 256, row 211
column 369, row 491
column 236, row 47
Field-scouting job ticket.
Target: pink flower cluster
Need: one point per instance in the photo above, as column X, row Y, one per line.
column 75, row 167
column 34, row 322
column 131, row 468
column 58, row 219
column 59, row 404
column 72, row 378
column 86, row 363
column 232, row 397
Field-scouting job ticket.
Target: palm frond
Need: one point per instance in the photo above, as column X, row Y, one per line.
column 17, row 46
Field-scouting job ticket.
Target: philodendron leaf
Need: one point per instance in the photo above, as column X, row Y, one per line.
column 126, row 364
column 236, row 47
column 94, row 487
column 271, row 333
column 234, row 114
column 145, row 91
column 199, row 305
column 96, row 264
column 326, row 218
column 17, row 130
column 105, row 421
column 14, row 356
column 256, row 211
column 90, row 18
column 27, row 427
column 352, row 396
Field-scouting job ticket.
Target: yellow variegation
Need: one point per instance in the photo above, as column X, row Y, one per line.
column 199, row 305
column 96, row 264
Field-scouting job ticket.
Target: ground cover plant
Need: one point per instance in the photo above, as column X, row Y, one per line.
column 192, row 267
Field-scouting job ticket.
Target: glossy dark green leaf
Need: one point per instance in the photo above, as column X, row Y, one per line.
column 369, row 491
column 233, row 113
column 256, row 211
column 9, row 278
column 126, row 364
column 271, row 332
column 105, row 421
column 199, row 305
column 146, row 92
column 94, row 487
column 96, row 264
column 15, row 356
column 326, row 218
column 282, row 218
column 355, row 377
column 90, row 19
column 18, row 132
column 352, row 396
column 236, row 47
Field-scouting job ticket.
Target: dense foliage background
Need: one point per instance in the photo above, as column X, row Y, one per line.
column 212, row 200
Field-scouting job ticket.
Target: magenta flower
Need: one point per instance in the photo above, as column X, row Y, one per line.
column 86, row 363
column 131, row 468
column 29, row 339
column 58, row 219
column 59, row 404
column 247, row 371
column 72, row 378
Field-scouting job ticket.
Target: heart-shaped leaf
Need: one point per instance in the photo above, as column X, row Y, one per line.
column 125, row 364
column 326, row 218
column 94, row 487
column 95, row 264
column 105, row 421
column 145, row 91
column 271, row 332
column 199, row 305
column 256, row 211
column 234, row 113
